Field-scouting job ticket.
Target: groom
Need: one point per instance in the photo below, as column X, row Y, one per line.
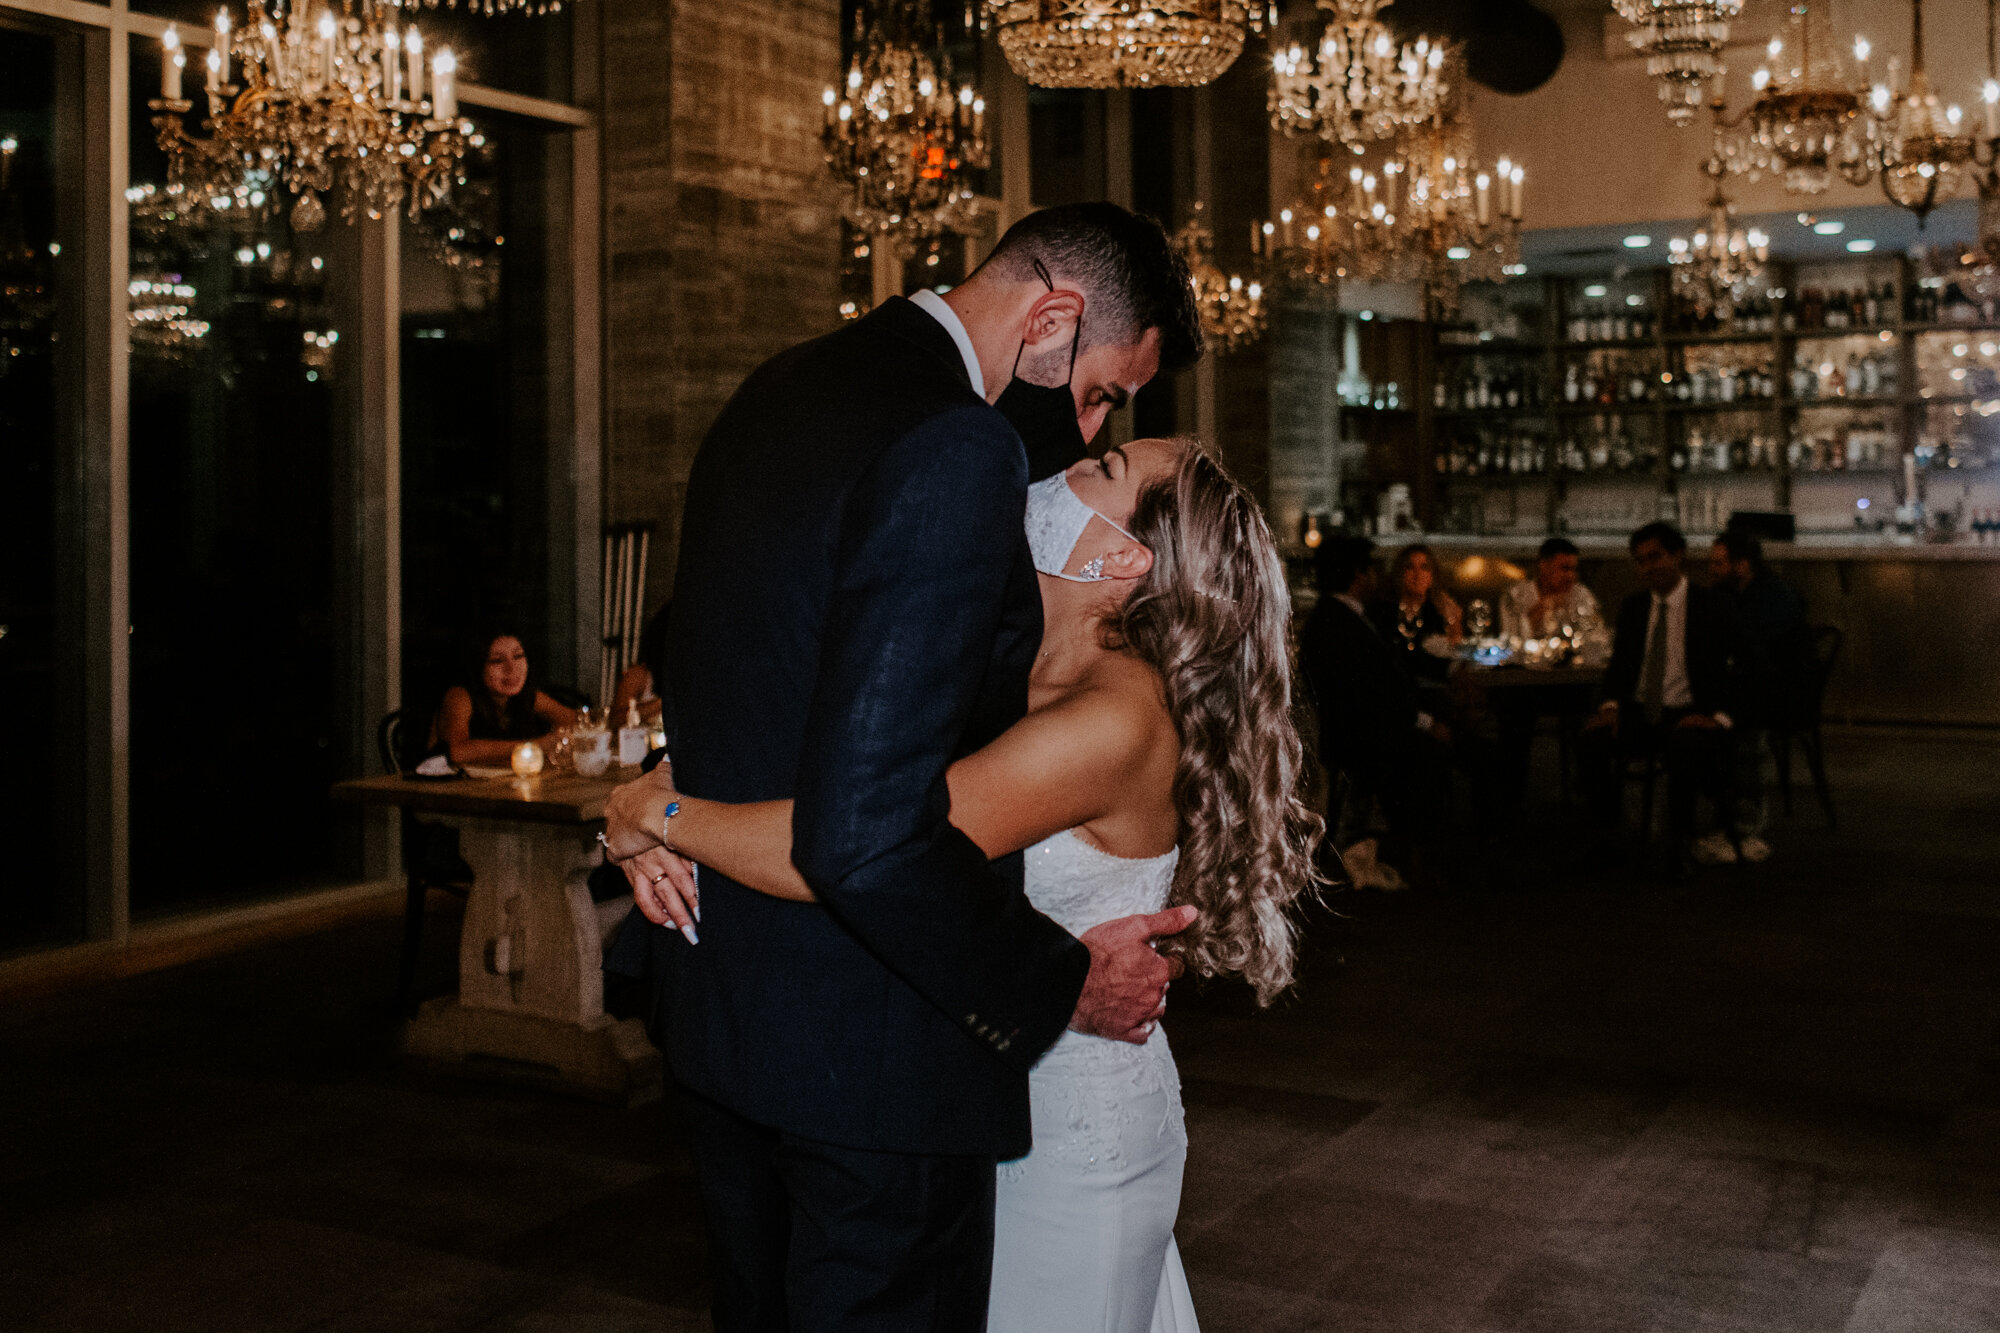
column 854, row 609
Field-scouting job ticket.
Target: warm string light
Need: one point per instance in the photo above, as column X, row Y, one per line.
column 328, row 102
column 901, row 134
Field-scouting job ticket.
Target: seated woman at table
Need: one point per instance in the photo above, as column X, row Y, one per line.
column 1419, row 619
column 495, row 706
column 640, row 682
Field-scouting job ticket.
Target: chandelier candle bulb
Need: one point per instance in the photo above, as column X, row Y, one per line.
column 1485, row 209
column 216, row 64
column 328, row 30
column 444, row 85
column 172, row 61
column 1989, row 98
column 413, row 51
column 392, row 62
column 219, row 53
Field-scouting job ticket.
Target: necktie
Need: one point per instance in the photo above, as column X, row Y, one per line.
column 1653, row 676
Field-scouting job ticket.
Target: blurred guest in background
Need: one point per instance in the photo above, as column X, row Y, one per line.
column 1538, row 607
column 495, row 706
column 1773, row 617
column 1419, row 619
column 1673, row 689
column 640, row 683
column 1370, row 726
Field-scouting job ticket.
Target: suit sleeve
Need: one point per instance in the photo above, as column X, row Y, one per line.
column 927, row 542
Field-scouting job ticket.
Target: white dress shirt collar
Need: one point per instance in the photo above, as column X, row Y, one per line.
column 938, row 309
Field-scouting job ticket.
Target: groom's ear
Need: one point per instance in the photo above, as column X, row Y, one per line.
column 1130, row 560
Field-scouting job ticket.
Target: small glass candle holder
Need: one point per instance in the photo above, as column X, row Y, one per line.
column 527, row 759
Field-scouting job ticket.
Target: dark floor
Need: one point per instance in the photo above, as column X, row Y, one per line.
column 1766, row 1100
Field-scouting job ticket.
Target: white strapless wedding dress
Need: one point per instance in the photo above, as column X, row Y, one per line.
column 1084, row 1232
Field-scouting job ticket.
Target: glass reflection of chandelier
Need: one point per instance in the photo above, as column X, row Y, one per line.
column 1682, row 41
column 901, row 137
column 1122, row 43
column 329, row 101
column 1803, row 122
column 1722, row 262
column 1231, row 307
column 1359, row 84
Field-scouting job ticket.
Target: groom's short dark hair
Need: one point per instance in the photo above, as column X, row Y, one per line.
column 1133, row 277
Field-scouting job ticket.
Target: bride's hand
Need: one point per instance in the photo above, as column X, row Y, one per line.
column 665, row 890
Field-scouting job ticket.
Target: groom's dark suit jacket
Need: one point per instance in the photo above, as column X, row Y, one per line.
column 854, row 608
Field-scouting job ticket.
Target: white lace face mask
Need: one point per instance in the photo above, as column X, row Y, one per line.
column 1055, row 522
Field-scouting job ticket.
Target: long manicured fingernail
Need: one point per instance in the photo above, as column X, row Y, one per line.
column 692, row 938
column 697, row 909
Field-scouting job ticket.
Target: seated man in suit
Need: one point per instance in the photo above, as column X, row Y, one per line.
column 1370, row 725
column 1672, row 688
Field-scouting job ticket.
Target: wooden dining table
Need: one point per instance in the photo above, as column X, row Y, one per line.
column 530, row 1001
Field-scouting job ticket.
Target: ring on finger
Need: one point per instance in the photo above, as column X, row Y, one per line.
column 657, row 878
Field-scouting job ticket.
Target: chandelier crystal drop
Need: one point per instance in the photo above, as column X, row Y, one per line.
column 901, row 135
column 1231, row 306
column 1122, row 43
column 330, row 101
column 1721, row 263
column 1358, row 84
column 1682, row 41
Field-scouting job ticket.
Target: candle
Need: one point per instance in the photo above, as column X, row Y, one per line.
column 527, row 759
column 327, row 30
column 220, row 51
column 444, row 85
column 392, row 63
column 1485, row 207
column 1286, row 218
column 413, row 49
column 979, row 118
column 829, row 97
column 1515, row 178
column 1354, row 179
column 215, row 70
column 172, row 61
column 274, row 53
column 1990, row 96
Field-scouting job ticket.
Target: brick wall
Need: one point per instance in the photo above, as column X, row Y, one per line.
column 720, row 226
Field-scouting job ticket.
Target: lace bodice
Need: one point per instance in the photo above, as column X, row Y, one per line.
column 1086, row 1088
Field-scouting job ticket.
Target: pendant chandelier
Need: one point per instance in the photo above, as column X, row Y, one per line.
column 1803, row 124
column 902, row 137
column 1123, row 43
column 1231, row 307
column 1358, row 84
column 1923, row 156
column 1682, row 41
column 1425, row 212
column 329, row 101
column 1721, row 264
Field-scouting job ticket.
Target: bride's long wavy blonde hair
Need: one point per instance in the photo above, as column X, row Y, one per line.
column 1211, row 618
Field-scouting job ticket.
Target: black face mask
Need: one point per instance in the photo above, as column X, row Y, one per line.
column 1045, row 415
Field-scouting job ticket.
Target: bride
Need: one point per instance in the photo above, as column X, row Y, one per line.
column 1158, row 764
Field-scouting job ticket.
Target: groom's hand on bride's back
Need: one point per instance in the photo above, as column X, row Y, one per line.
column 1126, row 991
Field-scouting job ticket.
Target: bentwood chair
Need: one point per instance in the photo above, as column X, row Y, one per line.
column 430, row 861
column 1798, row 717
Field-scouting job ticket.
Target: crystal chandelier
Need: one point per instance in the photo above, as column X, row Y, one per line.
column 901, row 137
column 329, row 101
column 1722, row 262
column 1924, row 159
column 1232, row 309
column 1803, row 124
column 1122, row 43
column 1682, row 41
column 1343, row 226
column 1426, row 213
column 1465, row 223
column 1359, row 84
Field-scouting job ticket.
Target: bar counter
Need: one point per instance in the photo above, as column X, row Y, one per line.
column 1922, row 620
